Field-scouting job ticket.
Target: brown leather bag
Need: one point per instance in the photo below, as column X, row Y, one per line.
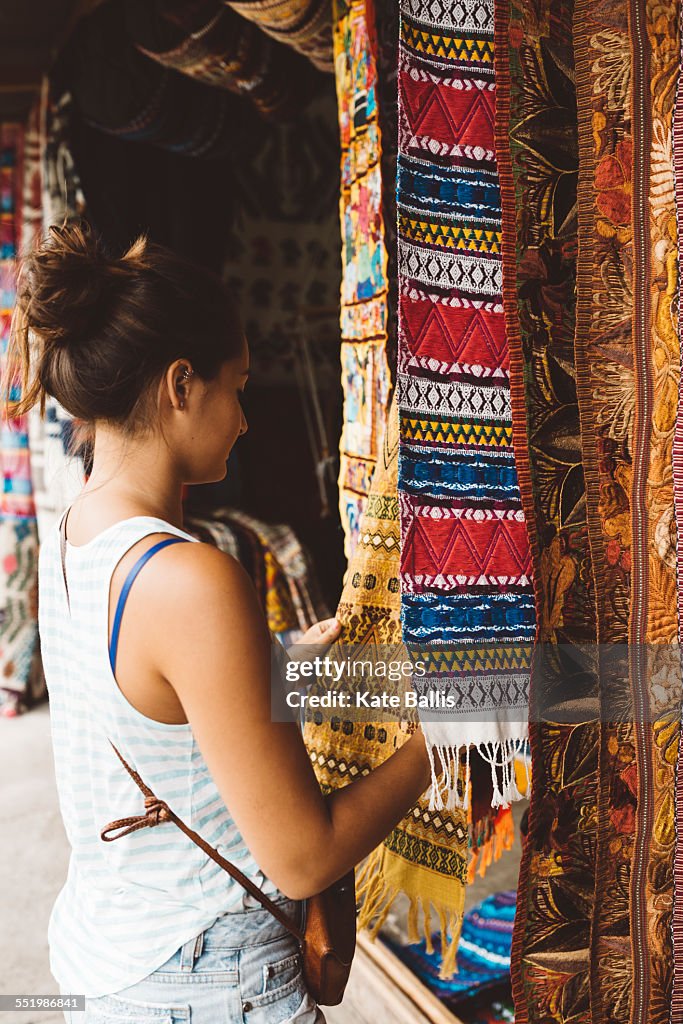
column 328, row 940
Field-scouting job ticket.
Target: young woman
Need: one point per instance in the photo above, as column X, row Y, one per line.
column 148, row 350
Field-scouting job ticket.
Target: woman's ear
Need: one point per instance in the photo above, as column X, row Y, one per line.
column 175, row 383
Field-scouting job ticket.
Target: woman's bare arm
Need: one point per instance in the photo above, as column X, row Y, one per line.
column 209, row 639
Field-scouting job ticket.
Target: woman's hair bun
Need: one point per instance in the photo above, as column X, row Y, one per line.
column 96, row 331
column 65, row 282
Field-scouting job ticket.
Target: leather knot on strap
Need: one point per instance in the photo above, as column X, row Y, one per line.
column 156, row 811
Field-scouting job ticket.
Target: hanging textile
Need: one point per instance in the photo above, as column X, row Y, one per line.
column 305, row 25
column 628, row 347
column 275, row 561
column 51, row 194
column 19, row 682
column 467, row 594
column 383, row 20
column 426, row 855
column 483, row 956
column 588, row 303
column 536, row 114
column 677, row 465
column 211, row 43
column 365, row 373
column 295, row 601
column 120, row 91
column 626, row 330
column 282, row 262
column 62, row 194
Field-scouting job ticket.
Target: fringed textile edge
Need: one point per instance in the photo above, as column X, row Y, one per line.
column 379, row 894
column 492, row 849
column 501, row 754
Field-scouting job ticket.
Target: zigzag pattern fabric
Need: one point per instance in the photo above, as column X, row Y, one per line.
column 466, row 581
column 425, row 857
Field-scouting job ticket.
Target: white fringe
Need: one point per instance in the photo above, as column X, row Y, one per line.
column 498, row 743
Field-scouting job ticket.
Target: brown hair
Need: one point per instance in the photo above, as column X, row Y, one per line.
column 95, row 331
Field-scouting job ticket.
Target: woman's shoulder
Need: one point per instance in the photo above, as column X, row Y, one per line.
column 198, row 580
column 197, row 565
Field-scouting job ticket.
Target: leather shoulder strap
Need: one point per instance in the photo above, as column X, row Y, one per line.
column 62, row 546
column 157, row 811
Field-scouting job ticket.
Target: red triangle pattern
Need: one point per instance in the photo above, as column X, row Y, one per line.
column 454, row 334
column 456, row 547
column 460, row 117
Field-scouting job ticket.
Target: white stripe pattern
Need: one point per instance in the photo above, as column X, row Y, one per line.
column 434, row 397
column 127, row 905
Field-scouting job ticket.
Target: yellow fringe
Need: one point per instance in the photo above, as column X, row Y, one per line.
column 377, row 890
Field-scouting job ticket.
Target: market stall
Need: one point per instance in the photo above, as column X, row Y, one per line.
column 453, row 232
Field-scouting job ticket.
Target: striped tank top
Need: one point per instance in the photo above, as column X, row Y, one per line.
column 128, row 905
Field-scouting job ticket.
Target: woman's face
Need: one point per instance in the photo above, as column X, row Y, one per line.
column 213, row 420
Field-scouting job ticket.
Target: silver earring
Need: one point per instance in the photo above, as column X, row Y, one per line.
column 186, row 376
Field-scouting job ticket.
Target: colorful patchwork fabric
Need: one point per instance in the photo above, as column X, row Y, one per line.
column 305, row 25
column 365, row 373
column 18, row 530
column 465, row 560
column 383, row 22
column 213, row 44
column 51, row 194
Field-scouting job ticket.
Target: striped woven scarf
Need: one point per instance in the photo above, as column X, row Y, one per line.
column 467, row 597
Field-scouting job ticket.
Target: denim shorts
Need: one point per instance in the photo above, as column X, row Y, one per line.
column 244, row 969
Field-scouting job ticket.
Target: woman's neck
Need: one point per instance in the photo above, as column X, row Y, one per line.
column 139, row 479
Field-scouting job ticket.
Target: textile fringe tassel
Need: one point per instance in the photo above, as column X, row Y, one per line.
column 500, row 754
column 501, row 840
column 378, row 893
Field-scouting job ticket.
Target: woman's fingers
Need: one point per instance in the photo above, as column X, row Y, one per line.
column 322, row 634
column 329, row 627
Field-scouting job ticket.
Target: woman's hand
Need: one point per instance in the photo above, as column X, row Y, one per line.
column 315, row 640
column 323, row 633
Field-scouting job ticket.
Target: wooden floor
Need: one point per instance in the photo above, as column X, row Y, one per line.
column 382, row 989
